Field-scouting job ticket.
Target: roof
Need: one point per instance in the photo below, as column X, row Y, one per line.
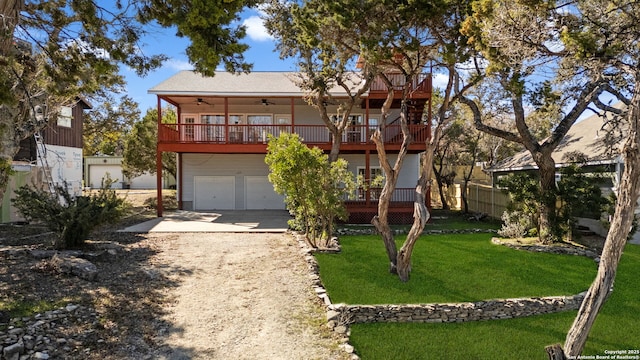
column 266, row 84
column 586, row 137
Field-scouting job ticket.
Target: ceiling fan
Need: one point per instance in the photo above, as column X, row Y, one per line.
column 200, row 101
column 266, row 102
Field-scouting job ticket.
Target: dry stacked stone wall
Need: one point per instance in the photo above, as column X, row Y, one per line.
column 456, row 312
column 339, row 316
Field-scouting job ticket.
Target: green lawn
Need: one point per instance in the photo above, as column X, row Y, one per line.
column 449, row 268
column 452, row 268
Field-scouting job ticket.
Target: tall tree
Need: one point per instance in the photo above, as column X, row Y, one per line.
column 52, row 51
column 140, row 146
column 603, row 38
column 431, row 29
column 516, row 41
column 594, row 44
column 106, row 125
column 384, row 36
column 325, row 50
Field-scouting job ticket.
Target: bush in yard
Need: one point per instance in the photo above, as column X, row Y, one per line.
column 515, row 224
column 520, row 217
column 577, row 194
column 169, row 202
column 71, row 218
column 313, row 187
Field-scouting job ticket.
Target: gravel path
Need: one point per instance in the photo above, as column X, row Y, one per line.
column 242, row 296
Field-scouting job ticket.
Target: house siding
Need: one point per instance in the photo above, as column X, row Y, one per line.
column 238, row 166
column 242, row 166
column 408, row 174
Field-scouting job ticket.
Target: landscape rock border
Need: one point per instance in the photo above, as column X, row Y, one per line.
column 341, row 316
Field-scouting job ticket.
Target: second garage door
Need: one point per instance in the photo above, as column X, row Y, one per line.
column 260, row 194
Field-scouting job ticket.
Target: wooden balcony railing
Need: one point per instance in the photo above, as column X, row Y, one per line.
column 255, row 134
column 402, row 197
column 422, row 82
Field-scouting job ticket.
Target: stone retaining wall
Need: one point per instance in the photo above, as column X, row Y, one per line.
column 343, row 314
column 552, row 249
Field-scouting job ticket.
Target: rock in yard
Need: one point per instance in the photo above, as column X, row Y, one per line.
column 81, row 268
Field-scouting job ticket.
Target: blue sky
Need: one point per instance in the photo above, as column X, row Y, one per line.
column 261, row 53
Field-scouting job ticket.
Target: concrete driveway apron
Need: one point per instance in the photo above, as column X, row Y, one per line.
column 271, row 221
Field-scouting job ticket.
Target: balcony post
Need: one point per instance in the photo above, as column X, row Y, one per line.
column 159, row 163
column 367, row 173
column 293, row 117
column 226, row 119
column 179, row 182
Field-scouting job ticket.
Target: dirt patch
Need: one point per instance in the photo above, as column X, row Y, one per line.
column 174, row 296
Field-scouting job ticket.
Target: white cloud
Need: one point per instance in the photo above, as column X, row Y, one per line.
column 440, row 81
column 255, row 29
column 178, row 65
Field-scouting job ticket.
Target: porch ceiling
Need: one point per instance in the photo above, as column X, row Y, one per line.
column 185, row 100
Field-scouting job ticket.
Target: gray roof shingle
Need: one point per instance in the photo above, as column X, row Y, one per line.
column 586, row 136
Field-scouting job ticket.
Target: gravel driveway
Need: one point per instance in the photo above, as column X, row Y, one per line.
column 241, row 296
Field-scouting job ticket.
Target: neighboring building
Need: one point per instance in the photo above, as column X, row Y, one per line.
column 588, row 137
column 598, row 140
column 62, row 153
column 62, row 147
column 221, row 134
column 97, row 168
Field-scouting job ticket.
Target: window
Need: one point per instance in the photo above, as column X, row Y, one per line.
column 189, row 131
column 259, row 119
column 213, row 129
column 65, row 116
column 376, row 175
column 375, row 183
column 282, row 119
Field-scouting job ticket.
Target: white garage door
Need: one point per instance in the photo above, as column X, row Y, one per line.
column 214, row 192
column 260, row 194
column 98, row 172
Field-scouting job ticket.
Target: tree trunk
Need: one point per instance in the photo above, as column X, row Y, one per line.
column 381, row 222
column 420, row 217
column 443, row 198
column 616, row 238
column 547, row 169
column 10, row 11
column 463, row 195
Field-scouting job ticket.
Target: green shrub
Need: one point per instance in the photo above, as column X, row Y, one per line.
column 71, row 217
column 313, row 187
column 169, row 202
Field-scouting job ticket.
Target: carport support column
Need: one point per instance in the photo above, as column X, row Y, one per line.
column 159, row 163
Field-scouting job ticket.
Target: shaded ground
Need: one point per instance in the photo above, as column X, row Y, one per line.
column 175, row 296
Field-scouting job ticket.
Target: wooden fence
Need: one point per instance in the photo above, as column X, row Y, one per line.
column 480, row 198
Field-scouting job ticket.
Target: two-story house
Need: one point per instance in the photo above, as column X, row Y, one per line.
column 224, row 121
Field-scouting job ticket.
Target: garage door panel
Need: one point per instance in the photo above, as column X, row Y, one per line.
column 98, row 172
column 260, row 194
column 214, row 192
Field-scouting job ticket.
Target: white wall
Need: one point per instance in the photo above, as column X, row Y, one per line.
column 66, row 165
column 238, row 165
column 408, row 174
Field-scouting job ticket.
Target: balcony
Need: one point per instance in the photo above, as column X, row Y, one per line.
column 420, row 86
column 172, row 136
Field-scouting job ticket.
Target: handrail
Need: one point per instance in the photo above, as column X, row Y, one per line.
column 419, row 82
column 255, row 134
column 401, row 197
